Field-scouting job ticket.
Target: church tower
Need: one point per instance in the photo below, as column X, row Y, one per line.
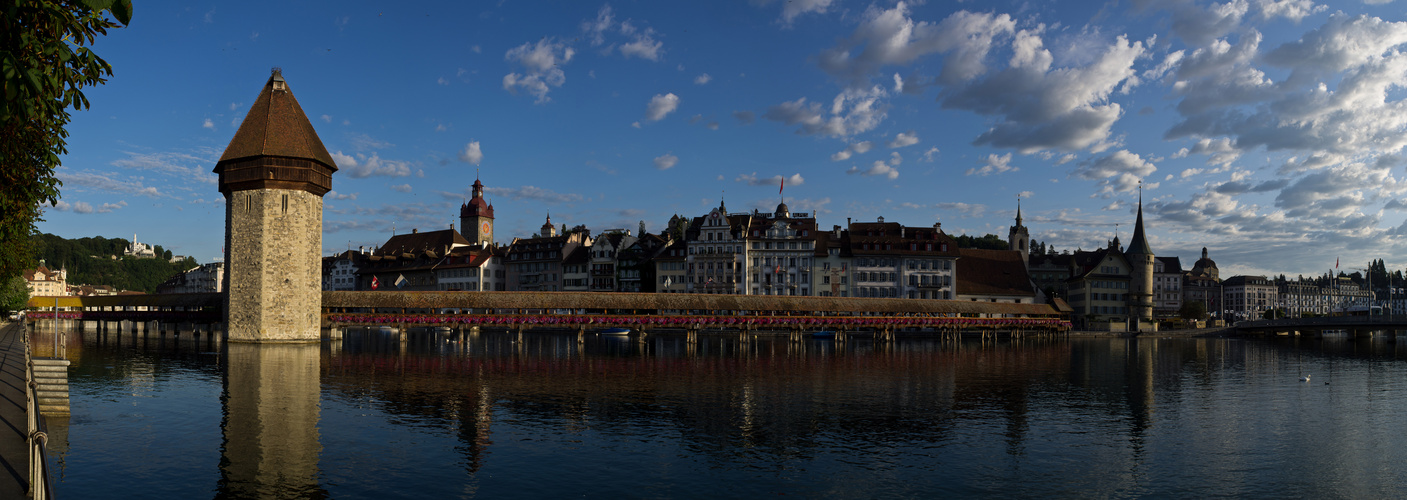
column 547, row 230
column 476, row 217
column 1019, row 239
column 273, row 175
column 1140, row 258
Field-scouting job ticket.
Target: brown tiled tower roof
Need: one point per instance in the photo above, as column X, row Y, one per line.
column 276, row 133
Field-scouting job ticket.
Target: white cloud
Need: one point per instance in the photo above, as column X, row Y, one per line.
column 966, row 209
column 1062, row 108
column 341, row 196
column 401, row 188
column 104, row 182
column 851, row 112
column 702, row 79
column 471, row 154
column 661, row 105
column 542, row 64
column 904, row 139
column 891, row 38
column 895, row 158
column 666, row 162
column 931, row 155
column 1118, row 172
column 208, row 124
column 879, row 168
column 533, row 193
column 993, row 164
column 853, row 149
column 367, row 166
column 793, row 8
column 644, row 46
column 776, row 180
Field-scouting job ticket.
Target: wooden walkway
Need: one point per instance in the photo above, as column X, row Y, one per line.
column 14, row 452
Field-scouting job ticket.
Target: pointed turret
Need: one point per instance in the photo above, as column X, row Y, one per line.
column 276, row 147
column 1140, row 258
column 1139, row 244
column 1018, row 238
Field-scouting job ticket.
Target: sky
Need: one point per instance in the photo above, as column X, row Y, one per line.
column 1269, row 131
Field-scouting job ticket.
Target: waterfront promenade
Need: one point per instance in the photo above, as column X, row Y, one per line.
column 14, row 453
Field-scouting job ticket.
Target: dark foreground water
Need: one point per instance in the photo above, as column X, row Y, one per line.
column 370, row 417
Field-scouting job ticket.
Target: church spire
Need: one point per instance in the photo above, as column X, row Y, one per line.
column 1139, row 244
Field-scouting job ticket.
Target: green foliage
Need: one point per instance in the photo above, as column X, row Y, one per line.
column 90, row 261
column 988, row 242
column 1276, row 313
column 1193, row 310
column 14, row 293
column 44, row 64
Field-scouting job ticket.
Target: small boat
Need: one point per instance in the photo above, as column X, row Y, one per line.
column 615, row 331
column 823, row 334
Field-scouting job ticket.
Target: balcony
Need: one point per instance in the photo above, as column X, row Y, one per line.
column 603, row 272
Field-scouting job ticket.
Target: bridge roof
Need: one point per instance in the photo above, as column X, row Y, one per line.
column 670, row 301
column 162, row 300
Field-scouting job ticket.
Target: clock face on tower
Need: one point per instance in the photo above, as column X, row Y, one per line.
column 486, row 228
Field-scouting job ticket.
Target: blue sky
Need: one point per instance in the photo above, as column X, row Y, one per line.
column 1270, row 131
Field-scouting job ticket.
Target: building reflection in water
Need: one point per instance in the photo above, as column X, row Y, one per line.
column 271, row 408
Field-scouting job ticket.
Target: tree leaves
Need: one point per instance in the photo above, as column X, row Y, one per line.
column 44, row 65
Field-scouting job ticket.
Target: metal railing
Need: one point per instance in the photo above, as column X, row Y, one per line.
column 38, row 434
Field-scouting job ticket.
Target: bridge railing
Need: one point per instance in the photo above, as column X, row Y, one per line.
column 1326, row 321
column 37, row 434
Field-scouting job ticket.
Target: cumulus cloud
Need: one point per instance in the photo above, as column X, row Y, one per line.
column 644, row 46
column 853, row 149
column 471, row 154
column 904, row 139
column 364, row 166
column 878, row 168
column 793, row 8
column 1040, row 107
column 642, row 42
column 993, row 164
column 931, row 155
column 776, row 180
column 966, row 209
column 661, row 105
column 702, row 79
column 542, row 67
column 208, row 124
column 1118, row 172
column 401, row 188
column 851, row 112
column 334, row 195
column 666, row 162
column 744, row 117
column 889, row 37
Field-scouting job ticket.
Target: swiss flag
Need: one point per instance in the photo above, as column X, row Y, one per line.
column 375, row 283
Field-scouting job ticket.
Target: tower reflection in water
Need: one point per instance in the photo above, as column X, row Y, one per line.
column 271, row 410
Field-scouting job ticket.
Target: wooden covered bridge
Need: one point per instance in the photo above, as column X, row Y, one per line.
column 687, row 313
column 583, row 311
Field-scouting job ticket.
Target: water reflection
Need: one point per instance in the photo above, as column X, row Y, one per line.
column 271, row 407
column 539, row 415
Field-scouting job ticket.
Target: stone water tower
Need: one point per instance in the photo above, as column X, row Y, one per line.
column 273, row 175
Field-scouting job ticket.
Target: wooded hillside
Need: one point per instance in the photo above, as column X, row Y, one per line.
column 90, row 262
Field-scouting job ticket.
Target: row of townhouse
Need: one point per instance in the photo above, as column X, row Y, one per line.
column 781, row 253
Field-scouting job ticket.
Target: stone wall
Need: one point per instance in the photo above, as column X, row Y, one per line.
column 273, row 247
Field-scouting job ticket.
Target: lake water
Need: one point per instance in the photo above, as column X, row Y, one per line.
column 370, row 417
